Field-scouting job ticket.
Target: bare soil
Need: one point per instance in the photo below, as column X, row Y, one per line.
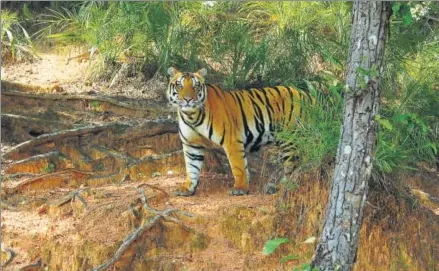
column 34, row 225
column 228, row 233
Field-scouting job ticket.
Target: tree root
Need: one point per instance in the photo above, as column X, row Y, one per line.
column 61, row 135
column 153, row 187
column 132, row 237
column 22, row 184
column 9, row 255
column 70, row 198
column 110, row 101
column 33, row 266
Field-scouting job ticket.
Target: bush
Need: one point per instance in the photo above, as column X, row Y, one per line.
column 16, row 42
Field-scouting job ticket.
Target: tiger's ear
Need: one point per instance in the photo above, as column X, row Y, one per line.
column 202, row 72
column 172, row 71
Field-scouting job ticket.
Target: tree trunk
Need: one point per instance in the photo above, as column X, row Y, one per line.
column 344, row 213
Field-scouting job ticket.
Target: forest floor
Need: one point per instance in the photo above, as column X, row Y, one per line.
column 70, row 200
column 36, row 226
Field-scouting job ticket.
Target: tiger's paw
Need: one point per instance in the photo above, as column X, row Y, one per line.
column 183, row 192
column 238, row 192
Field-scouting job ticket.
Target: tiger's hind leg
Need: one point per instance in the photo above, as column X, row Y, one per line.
column 238, row 162
column 194, row 159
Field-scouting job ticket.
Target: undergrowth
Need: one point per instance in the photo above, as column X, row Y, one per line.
column 17, row 45
column 265, row 43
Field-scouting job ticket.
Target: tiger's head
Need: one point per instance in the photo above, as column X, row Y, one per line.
column 187, row 90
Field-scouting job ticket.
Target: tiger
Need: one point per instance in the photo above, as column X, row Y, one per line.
column 240, row 121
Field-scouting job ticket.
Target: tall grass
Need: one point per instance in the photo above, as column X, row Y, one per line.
column 409, row 116
column 16, row 42
column 274, row 43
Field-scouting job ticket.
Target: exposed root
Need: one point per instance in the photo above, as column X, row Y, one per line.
column 123, row 71
column 21, row 185
column 132, row 237
column 55, row 87
column 56, row 97
column 36, row 266
column 9, row 255
column 71, row 197
column 426, row 200
column 61, row 135
column 153, row 187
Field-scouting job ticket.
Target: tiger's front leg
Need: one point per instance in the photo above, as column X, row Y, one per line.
column 238, row 162
column 194, row 159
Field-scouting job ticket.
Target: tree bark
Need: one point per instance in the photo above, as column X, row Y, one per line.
column 344, row 213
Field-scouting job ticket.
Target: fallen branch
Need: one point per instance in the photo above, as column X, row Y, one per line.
column 61, row 135
column 161, row 213
column 19, row 185
column 130, row 238
column 56, row 97
column 70, row 198
column 153, row 187
column 30, row 119
column 127, row 242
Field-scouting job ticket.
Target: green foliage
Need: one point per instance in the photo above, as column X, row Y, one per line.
column 315, row 138
column 95, row 104
column 271, row 245
column 409, row 118
column 402, row 10
column 299, row 43
column 289, row 258
column 279, row 42
column 16, row 42
column 306, row 267
column 49, row 168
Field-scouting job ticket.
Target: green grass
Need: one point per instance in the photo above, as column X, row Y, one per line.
column 271, row 43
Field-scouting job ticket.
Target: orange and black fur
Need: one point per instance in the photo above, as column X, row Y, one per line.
column 239, row 121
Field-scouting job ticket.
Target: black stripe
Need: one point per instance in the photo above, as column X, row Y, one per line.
column 269, row 111
column 200, row 118
column 196, row 157
column 224, row 134
column 283, row 107
column 283, row 100
column 292, row 102
column 181, row 134
column 210, row 131
column 184, row 120
column 192, row 165
column 210, row 125
column 277, row 90
column 248, row 133
column 215, row 89
column 233, row 95
column 194, row 146
column 260, row 127
column 258, row 96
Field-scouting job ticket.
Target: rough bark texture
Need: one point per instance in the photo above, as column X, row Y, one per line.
column 344, row 213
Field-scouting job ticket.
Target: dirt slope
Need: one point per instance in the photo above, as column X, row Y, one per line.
column 70, row 195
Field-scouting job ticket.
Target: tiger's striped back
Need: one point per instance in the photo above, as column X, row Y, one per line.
column 253, row 114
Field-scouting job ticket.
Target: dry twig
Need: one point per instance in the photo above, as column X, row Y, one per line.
column 130, row 238
column 60, row 135
column 70, row 198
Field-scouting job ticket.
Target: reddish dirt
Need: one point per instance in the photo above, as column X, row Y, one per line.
column 233, row 230
column 75, row 77
column 26, row 230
